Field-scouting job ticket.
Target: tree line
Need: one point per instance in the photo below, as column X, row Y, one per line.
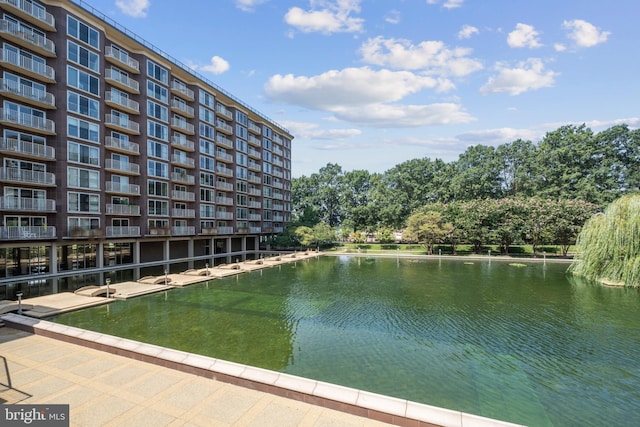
column 571, row 163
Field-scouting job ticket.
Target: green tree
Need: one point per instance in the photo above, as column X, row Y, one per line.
column 477, row 174
column 427, row 228
column 518, row 172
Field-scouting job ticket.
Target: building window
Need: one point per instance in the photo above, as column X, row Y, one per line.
column 157, row 130
column 83, row 178
column 207, row 99
column 157, row 149
column 83, row 129
column 156, row 91
column 207, row 147
column 80, row 153
column 206, row 131
column 207, row 115
column 82, row 202
column 83, row 105
column 158, row 169
column 157, row 111
column 83, row 56
column 83, row 32
column 157, row 72
column 158, row 207
column 83, row 80
column 242, row 118
column 158, row 188
column 207, row 163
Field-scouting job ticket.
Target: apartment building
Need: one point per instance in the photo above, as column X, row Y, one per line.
column 113, row 154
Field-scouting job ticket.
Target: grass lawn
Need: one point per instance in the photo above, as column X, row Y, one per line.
column 415, row 249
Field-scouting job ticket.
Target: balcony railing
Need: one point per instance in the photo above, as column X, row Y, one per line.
column 27, row 204
column 182, row 107
column 122, row 123
column 224, row 141
column 35, row 41
column 255, row 128
column 27, row 65
column 28, row 121
column 118, row 79
column 183, row 231
column 15, row 90
column 254, row 204
column 224, row 200
column 183, row 143
column 224, row 215
column 27, row 233
column 183, row 125
column 35, row 15
column 182, row 160
column 224, row 126
column 122, row 58
column 123, row 231
column 254, row 153
column 254, row 217
column 13, row 145
column 221, row 109
column 121, row 101
column 121, row 145
column 126, row 210
column 28, row 176
column 183, row 177
column 183, row 195
column 126, row 167
column 255, row 141
column 225, row 230
column 225, row 186
column 182, row 89
column 117, row 187
column 221, row 170
column 224, row 157
column 255, row 230
column 183, row 213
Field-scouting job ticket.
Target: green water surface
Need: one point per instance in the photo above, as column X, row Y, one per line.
column 524, row 344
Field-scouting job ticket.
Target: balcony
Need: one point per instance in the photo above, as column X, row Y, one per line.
column 27, row 149
column 25, row 10
column 224, row 230
column 122, row 167
column 278, row 163
column 119, row 80
column 224, row 141
column 122, row 124
column 254, row 204
column 181, row 89
column 182, row 125
column 183, row 231
column 182, row 161
column 181, row 142
column 27, row 233
column 224, row 111
column 277, row 151
column 277, row 185
column 27, row 66
column 32, row 41
column 114, row 99
column 27, row 204
column 27, row 94
column 225, row 186
column 27, row 121
column 122, row 60
column 254, row 217
column 255, row 230
column 159, row 231
column 27, row 176
column 224, row 157
column 278, row 218
column 255, row 192
column 224, row 215
column 225, row 171
column 121, row 146
column 254, row 141
column 278, row 207
column 181, row 107
column 278, row 174
column 125, row 210
column 228, row 201
column 183, row 195
column 120, row 188
column 122, row 232
column 183, row 178
column 183, row 213
column 255, row 128
column 253, row 165
column 254, row 153
column 255, row 179
column 222, row 126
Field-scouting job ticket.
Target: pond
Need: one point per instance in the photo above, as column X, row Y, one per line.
column 522, row 343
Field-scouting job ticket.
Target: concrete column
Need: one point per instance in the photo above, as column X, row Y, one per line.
column 190, row 253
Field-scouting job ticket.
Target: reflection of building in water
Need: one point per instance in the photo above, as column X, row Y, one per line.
column 113, row 153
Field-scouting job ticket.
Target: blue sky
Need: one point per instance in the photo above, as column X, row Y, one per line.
column 369, row 84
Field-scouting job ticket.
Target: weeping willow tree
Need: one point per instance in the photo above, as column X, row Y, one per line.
column 608, row 247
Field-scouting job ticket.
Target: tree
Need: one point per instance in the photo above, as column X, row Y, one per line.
column 427, row 228
column 477, row 174
column 609, row 245
column 518, row 170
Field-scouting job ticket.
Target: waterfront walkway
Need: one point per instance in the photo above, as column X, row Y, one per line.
column 105, row 389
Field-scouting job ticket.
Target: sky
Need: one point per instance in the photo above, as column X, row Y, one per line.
column 369, row 84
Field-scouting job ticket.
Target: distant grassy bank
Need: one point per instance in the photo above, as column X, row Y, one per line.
column 516, row 251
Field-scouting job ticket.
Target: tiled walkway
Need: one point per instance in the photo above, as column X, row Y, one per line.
column 103, row 389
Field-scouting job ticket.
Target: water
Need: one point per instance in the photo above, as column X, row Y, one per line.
column 522, row 344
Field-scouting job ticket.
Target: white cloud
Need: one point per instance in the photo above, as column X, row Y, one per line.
column 393, row 17
column 135, row 8
column 632, row 122
column 248, row 5
column 526, row 76
column 559, row 47
column 467, row 31
column 384, row 115
column 326, row 16
column 364, row 96
column 217, row 65
column 306, row 130
column 433, row 57
column 500, row 136
column 524, row 36
column 449, row 4
column 585, row 34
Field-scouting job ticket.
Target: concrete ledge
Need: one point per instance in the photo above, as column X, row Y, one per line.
column 357, row 402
